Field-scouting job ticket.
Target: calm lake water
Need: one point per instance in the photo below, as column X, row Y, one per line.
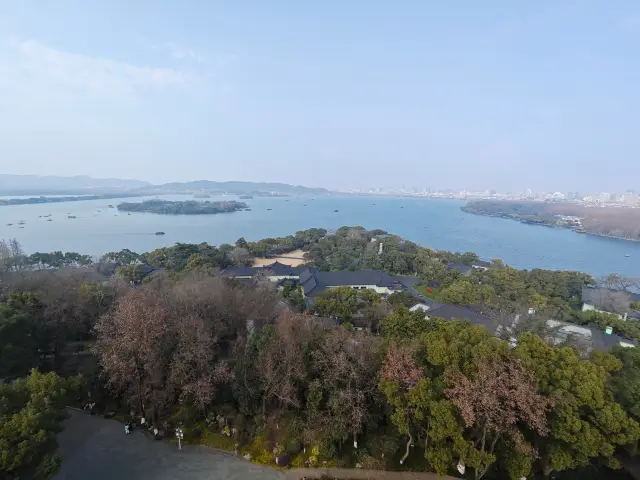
column 438, row 224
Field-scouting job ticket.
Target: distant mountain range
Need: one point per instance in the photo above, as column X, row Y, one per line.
column 53, row 185
column 84, row 185
column 235, row 187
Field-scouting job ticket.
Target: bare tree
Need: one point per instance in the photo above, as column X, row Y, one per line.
column 613, row 293
column 240, row 256
column 280, row 364
column 134, row 344
column 618, row 282
column 399, row 375
column 499, row 396
column 195, row 369
column 11, row 255
column 347, row 366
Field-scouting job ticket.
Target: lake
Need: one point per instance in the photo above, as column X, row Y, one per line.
column 439, row 224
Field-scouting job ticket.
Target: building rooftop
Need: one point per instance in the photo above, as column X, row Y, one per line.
column 605, row 342
column 609, row 300
column 314, row 281
column 461, row 267
column 275, row 268
column 450, row 312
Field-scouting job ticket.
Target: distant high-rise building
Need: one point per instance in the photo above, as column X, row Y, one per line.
column 604, row 197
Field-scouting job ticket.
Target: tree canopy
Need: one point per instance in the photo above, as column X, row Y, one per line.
column 31, row 410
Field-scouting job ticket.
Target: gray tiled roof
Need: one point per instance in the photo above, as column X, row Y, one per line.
column 276, row 268
column 461, row 267
column 316, row 282
column 450, row 312
column 309, row 285
column 602, row 342
column 241, row 271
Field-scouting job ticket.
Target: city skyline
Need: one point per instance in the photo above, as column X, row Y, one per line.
column 598, row 195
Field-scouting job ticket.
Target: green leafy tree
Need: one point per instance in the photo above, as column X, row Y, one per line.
column 626, row 381
column 464, row 292
column 31, row 410
column 403, row 324
column 586, row 423
column 123, row 257
column 402, row 298
column 341, row 302
column 132, row 273
column 409, row 393
column 18, row 340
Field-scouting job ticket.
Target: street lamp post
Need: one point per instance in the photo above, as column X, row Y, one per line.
column 179, row 436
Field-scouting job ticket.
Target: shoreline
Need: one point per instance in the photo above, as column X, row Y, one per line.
column 548, row 225
column 11, row 202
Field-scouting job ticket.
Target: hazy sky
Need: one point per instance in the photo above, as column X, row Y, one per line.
column 464, row 94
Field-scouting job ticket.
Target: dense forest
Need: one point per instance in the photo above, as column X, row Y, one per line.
column 190, row 207
column 163, row 335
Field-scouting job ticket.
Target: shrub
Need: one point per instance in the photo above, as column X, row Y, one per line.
column 293, row 447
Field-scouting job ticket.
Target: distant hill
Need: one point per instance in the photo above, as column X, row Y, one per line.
column 235, row 187
column 85, row 185
column 43, row 185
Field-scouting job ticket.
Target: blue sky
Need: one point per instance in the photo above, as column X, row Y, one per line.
column 459, row 94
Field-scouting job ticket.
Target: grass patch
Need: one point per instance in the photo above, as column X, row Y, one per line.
column 217, row 440
column 208, row 438
column 422, row 290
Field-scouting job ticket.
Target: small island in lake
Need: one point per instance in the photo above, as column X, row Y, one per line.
column 190, row 207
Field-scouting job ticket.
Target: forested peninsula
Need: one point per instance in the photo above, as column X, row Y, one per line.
column 353, row 379
column 617, row 222
column 190, row 207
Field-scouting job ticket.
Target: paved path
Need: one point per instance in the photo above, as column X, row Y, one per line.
column 94, row 448
column 360, row 474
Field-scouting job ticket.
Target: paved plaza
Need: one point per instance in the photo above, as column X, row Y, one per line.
column 93, row 448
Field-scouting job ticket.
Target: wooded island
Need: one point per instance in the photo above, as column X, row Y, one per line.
column 190, row 207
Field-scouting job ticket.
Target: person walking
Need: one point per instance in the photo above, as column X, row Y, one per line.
column 127, row 428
